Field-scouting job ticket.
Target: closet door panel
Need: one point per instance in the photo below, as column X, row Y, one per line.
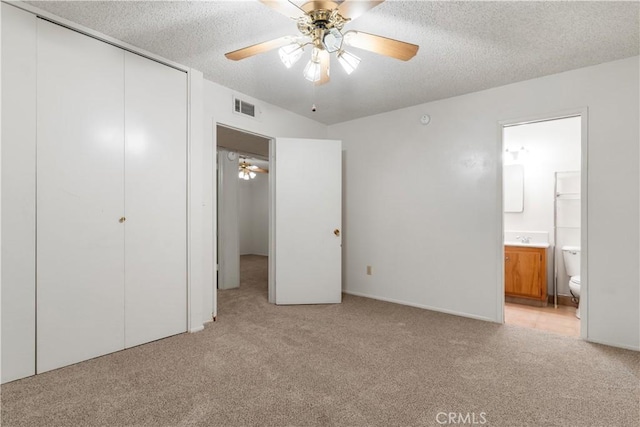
column 80, row 194
column 155, row 200
column 18, row 193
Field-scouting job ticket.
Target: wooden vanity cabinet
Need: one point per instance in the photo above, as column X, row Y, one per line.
column 525, row 272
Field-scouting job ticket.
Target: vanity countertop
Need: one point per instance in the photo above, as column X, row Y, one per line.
column 526, row 245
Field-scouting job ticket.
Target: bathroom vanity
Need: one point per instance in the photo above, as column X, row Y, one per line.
column 525, row 272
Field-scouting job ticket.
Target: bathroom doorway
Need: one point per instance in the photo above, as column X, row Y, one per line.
column 544, row 239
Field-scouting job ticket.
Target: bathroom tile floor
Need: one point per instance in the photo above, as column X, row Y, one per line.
column 561, row 320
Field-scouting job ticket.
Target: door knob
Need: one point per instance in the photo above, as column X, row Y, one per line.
column 336, row 232
column 506, row 259
column 122, row 219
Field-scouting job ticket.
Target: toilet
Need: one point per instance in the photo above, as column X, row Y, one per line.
column 571, row 255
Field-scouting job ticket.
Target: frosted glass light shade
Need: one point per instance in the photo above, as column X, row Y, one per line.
column 240, row 174
column 252, row 175
column 312, row 71
column 290, row 54
column 348, row 61
column 332, row 40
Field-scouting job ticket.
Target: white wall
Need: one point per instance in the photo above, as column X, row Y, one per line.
column 253, row 202
column 421, row 202
column 273, row 122
column 550, row 147
column 260, row 220
column 245, row 216
column 196, row 243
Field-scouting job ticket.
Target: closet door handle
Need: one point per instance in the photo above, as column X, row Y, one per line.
column 506, row 259
column 122, row 219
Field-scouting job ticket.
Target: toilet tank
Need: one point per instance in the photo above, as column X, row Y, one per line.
column 571, row 255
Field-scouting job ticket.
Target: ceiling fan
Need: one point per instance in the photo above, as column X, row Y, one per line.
column 320, row 24
column 248, row 171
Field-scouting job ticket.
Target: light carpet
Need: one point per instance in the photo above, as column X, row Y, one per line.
column 359, row 363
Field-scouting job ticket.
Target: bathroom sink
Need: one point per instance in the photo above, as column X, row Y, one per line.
column 526, row 245
column 526, row 239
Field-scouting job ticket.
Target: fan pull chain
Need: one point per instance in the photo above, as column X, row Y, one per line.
column 313, row 98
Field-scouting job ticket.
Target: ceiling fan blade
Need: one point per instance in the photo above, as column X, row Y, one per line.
column 381, row 45
column 255, row 49
column 352, row 9
column 325, row 60
column 284, row 7
column 248, row 167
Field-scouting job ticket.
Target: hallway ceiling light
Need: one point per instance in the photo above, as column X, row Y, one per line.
column 321, row 23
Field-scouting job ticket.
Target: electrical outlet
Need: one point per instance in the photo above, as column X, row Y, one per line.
column 368, row 270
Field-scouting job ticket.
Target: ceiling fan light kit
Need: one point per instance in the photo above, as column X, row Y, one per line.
column 248, row 171
column 320, row 24
column 312, row 69
column 246, row 175
column 290, row 54
column 332, row 40
column 348, row 61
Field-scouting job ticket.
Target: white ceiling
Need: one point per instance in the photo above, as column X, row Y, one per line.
column 464, row 46
column 242, row 142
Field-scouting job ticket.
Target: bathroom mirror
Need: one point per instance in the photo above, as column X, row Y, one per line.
column 513, row 188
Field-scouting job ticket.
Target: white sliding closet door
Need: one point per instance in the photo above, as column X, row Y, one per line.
column 18, row 193
column 155, row 200
column 80, row 185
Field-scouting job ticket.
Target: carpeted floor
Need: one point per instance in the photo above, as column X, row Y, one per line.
column 359, row 363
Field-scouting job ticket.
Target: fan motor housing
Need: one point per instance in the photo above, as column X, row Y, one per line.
column 310, row 6
column 324, row 17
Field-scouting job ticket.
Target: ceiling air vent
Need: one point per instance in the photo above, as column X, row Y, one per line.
column 245, row 108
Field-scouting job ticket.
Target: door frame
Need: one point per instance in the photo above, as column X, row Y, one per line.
column 583, row 113
column 272, row 222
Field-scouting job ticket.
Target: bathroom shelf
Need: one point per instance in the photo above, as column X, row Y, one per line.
column 560, row 198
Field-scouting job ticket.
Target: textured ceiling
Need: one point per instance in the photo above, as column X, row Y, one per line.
column 464, row 46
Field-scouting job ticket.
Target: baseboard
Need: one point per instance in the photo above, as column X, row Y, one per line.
column 423, row 306
column 563, row 300
column 196, row 329
column 525, row 301
column 611, row 344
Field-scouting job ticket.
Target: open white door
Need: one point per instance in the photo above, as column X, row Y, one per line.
column 308, row 221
